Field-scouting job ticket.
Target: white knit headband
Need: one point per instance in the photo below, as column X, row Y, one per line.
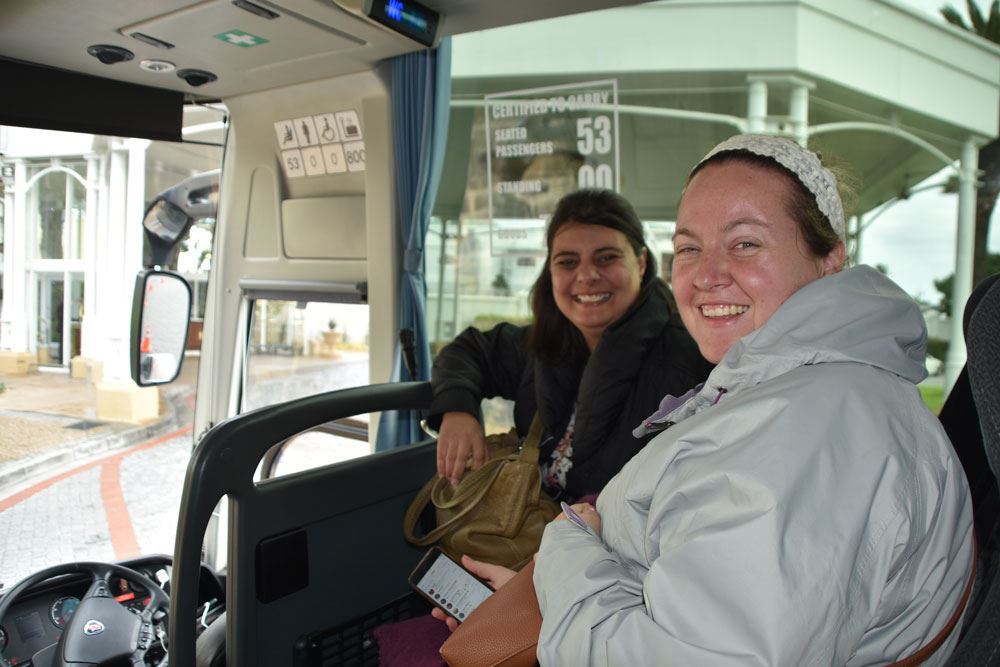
column 800, row 161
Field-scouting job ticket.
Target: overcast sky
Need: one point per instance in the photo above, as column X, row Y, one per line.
column 915, row 239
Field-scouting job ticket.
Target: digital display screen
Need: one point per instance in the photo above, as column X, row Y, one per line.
column 29, row 626
column 406, row 17
column 452, row 588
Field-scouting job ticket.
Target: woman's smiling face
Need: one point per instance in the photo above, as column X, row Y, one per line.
column 595, row 276
column 738, row 254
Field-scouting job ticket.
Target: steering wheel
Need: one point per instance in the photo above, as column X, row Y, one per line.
column 100, row 631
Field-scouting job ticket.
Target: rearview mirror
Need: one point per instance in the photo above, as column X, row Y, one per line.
column 161, row 311
column 171, row 214
column 166, row 221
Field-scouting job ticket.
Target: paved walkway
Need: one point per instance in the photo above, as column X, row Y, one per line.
column 75, row 488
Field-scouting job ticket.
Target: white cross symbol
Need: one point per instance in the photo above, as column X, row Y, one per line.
column 239, row 40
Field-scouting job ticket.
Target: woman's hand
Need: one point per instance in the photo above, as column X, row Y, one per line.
column 588, row 513
column 460, row 435
column 495, row 575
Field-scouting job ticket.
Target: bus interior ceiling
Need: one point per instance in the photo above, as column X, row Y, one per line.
column 307, row 39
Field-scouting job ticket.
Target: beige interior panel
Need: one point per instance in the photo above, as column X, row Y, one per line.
column 262, row 239
column 324, row 227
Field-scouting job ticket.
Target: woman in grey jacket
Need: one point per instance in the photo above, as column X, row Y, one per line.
column 802, row 507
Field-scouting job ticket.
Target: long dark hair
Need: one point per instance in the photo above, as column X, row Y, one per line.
column 552, row 336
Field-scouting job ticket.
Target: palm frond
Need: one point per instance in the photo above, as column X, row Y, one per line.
column 976, row 16
column 952, row 16
column 992, row 32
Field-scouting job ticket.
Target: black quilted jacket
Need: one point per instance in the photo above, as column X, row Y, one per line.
column 639, row 359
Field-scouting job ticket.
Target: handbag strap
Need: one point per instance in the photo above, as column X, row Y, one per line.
column 413, row 512
column 933, row 645
column 471, row 490
column 529, row 448
column 473, row 486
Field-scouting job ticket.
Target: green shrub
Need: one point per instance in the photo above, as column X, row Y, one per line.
column 937, row 347
column 933, row 396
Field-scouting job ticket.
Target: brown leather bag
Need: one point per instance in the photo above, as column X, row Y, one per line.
column 496, row 514
column 502, row 631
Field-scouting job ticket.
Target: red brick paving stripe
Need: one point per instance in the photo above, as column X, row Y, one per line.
column 20, row 496
column 119, row 522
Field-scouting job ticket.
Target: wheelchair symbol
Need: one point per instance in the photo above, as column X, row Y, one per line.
column 327, row 133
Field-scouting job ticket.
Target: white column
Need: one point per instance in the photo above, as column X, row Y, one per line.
column 757, row 106
column 14, row 320
column 798, row 111
column 90, row 332
column 110, row 268
column 126, row 196
column 965, row 242
column 135, row 206
column 856, row 256
column 9, row 238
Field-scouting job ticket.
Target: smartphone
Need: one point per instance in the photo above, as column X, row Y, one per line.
column 447, row 585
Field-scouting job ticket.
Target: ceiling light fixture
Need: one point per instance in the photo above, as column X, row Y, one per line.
column 154, row 65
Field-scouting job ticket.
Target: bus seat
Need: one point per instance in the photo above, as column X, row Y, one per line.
column 308, row 552
column 980, row 643
column 961, row 421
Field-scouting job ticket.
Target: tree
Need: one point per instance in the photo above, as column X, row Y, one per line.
column 944, row 285
column 989, row 155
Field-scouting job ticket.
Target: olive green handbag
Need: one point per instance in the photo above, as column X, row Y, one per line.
column 495, row 514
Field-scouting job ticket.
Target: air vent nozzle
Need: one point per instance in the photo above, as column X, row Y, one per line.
column 109, row 54
column 196, row 77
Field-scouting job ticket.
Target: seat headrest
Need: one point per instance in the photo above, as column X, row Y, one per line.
column 983, row 343
column 977, row 295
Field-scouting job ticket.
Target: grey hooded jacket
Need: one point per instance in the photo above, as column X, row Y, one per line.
column 805, row 508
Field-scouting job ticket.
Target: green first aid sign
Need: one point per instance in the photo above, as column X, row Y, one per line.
column 240, row 38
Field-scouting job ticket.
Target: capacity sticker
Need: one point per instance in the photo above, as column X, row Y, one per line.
column 321, row 144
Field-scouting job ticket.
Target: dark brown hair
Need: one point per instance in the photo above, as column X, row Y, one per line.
column 552, row 336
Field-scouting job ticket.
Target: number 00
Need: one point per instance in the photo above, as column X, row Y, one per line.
column 590, row 177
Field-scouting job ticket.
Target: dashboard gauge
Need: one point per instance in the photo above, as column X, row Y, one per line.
column 62, row 609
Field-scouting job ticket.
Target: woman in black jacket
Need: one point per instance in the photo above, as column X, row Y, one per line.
column 605, row 346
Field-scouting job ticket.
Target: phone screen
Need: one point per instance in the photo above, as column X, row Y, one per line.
column 448, row 585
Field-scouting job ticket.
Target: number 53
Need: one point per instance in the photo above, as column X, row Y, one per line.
column 593, row 135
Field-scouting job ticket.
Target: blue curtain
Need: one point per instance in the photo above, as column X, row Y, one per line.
column 421, row 91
